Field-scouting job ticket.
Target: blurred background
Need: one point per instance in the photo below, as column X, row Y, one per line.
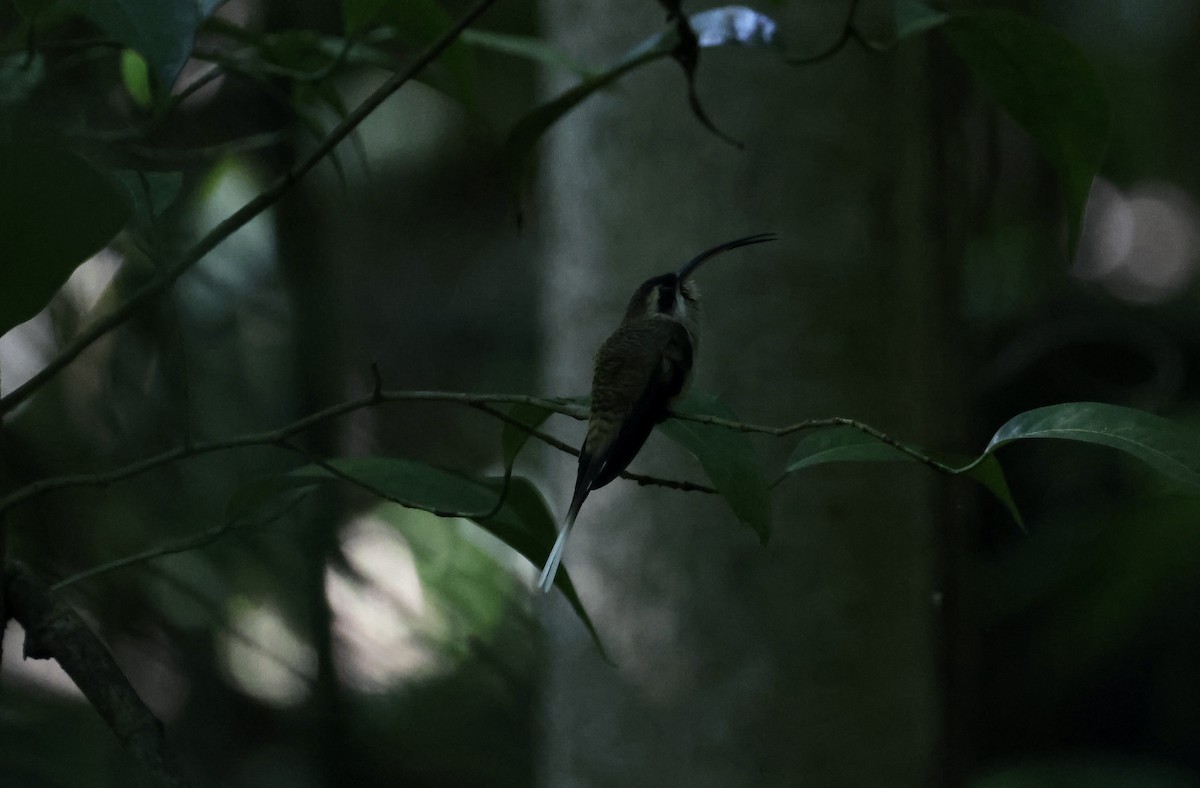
column 898, row 630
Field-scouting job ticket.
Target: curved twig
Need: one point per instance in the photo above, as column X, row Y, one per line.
column 849, row 33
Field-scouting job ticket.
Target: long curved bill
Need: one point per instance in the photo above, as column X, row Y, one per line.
column 689, row 268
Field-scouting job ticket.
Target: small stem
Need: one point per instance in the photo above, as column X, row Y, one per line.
column 849, row 33
column 270, row 438
column 833, row 421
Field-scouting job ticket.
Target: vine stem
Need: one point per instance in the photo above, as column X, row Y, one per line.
column 239, row 218
column 832, row 421
column 276, row 437
column 282, row 436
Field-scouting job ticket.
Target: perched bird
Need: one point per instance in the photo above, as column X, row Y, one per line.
column 639, row 370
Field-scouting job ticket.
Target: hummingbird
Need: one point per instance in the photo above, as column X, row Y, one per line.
column 639, row 370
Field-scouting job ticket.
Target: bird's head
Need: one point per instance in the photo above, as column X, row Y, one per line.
column 674, row 295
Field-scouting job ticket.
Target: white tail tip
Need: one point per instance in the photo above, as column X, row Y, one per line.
column 546, row 581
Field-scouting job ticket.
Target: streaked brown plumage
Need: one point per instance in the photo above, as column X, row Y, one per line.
column 639, row 370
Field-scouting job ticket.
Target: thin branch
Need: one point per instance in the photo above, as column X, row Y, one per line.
column 281, row 438
column 182, row 545
column 833, row 421
column 277, row 437
column 241, row 217
column 202, row 539
column 54, row 630
column 554, row 442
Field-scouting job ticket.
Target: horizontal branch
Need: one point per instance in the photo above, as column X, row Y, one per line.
column 832, row 421
column 275, row 437
column 484, row 402
column 554, row 442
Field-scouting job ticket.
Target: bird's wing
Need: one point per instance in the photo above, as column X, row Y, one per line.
column 660, row 371
column 660, row 366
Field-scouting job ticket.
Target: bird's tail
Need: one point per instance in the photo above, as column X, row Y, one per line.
column 546, row 581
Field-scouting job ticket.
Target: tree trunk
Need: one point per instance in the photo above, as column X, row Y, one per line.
column 810, row 662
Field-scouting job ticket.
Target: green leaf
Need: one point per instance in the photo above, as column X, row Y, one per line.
column 161, row 31
column 301, row 53
column 57, row 211
column 727, row 457
column 135, row 73
column 523, row 522
column 914, row 18
column 849, row 444
column 151, row 192
column 416, row 22
column 1169, row 448
column 1048, row 87
column 841, row 444
column 20, row 75
column 207, row 7
column 359, row 16
column 725, row 26
column 512, row 438
column 990, row 474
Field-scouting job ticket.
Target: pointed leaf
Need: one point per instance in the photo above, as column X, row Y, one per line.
column 359, row 16
column 727, row 26
column 1048, row 87
column 512, row 438
column 914, row 18
column 523, row 522
column 990, row 474
column 162, row 31
column 1167, row 447
column 57, row 211
column 151, row 193
column 135, row 73
column 727, row 457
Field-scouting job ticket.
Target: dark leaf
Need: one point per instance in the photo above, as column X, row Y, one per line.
column 58, row 211
column 1167, row 447
column 848, row 444
column 1048, row 87
column 135, row 74
column 523, row 522
column 150, row 192
column 512, row 438
column 914, row 18
column 728, row 458
column 162, row 31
